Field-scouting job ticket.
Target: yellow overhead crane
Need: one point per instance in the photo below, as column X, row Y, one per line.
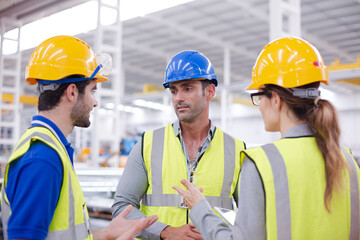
column 150, row 88
column 336, row 65
column 345, row 72
column 25, row 99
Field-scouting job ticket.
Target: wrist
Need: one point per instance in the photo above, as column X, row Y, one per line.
column 107, row 234
column 164, row 232
column 102, row 234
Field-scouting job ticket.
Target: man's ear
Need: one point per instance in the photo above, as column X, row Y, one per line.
column 210, row 92
column 71, row 93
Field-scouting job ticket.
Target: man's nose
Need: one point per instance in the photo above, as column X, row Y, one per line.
column 179, row 97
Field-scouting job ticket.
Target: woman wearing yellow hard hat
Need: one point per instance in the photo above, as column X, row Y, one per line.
column 303, row 186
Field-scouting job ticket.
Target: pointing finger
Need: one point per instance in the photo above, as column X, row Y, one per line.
column 187, row 184
column 179, row 190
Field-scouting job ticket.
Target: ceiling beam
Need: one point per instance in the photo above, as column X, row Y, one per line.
column 141, row 71
column 31, row 10
column 166, row 57
column 201, row 36
column 147, row 49
column 256, row 12
column 24, row 7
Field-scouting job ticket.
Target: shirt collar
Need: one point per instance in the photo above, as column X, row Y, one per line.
column 43, row 121
column 303, row 130
column 177, row 129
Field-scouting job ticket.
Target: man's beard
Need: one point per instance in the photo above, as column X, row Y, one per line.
column 80, row 114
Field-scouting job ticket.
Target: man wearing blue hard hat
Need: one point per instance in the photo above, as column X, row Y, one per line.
column 191, row 148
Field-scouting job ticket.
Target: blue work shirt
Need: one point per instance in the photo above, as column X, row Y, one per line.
column 33, row 186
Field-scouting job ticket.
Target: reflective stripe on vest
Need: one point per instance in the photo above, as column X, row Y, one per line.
column 354, row 193
column 36, row 134
column 282, row 196
column 281, row 186
column 157, row 198
column 79, row 231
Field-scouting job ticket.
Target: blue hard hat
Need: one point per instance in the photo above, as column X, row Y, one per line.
column 189, row 65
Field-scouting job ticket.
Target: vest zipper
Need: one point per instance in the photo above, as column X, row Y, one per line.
column 187, row 216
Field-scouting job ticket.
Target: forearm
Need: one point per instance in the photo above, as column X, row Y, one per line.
column 250, row 219
column 121, row 203
column 101, row 234
column 132, row 185
column 208, row 223
column 131, row 188
column 152, row 232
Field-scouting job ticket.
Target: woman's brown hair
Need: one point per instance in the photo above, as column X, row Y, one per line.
column 322, row 117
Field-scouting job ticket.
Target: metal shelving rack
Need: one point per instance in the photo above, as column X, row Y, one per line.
column 112, row 91
column 10, row 74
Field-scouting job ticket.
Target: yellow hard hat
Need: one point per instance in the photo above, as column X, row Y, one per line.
column 288, row 62
column 62, row 56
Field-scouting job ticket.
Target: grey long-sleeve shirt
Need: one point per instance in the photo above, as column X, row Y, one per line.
column 134, row 183
column 131, row 188
column 250, row 218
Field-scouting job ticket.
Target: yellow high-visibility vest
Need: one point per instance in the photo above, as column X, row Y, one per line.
column 293, row 174
column 165, row 162
column 71, row 219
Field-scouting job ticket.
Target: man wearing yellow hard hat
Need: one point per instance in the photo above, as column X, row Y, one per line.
column 41, row 194
column 303, row 186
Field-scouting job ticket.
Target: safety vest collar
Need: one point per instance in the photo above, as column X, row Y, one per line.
column 302, row 130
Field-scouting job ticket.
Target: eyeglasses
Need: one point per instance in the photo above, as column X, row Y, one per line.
column 255, row 97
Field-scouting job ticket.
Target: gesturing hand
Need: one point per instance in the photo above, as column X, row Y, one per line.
column 192, row 195
column 127, row 229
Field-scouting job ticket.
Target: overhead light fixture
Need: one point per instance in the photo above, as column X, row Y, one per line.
column 149, row 104
column 121, row 107
column 129, row 109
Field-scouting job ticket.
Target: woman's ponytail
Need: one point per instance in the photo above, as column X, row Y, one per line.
column 324, row 120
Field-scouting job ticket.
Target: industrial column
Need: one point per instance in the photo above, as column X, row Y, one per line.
column 108, row 39
column 285, row 18
column 224, row 89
